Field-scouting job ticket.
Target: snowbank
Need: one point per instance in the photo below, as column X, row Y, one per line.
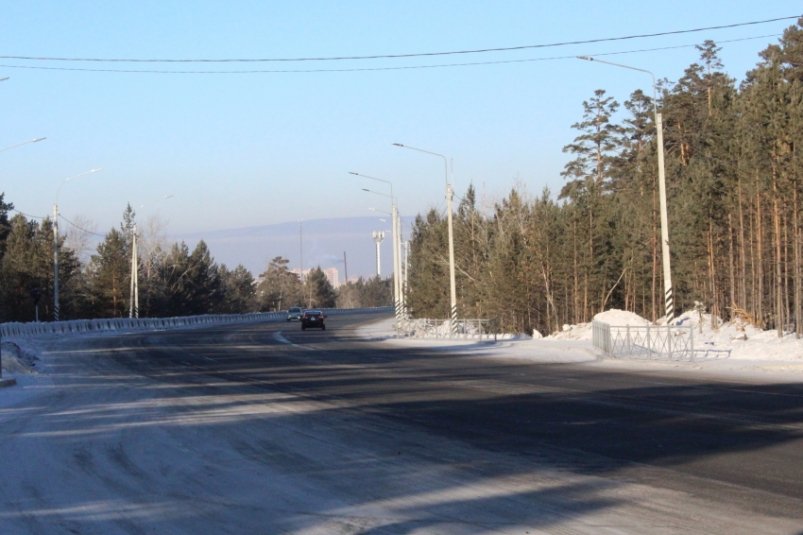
column 583, row 331
column 743, row 340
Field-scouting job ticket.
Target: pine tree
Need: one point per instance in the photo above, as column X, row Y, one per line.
column 109, row 274
column 5, row 225
column 589, row 175
column 472, row 246
column 635, row 207
column 319, row 290
column 204, row 281
column 279, row 288
column 238, row 292
column 428, row 294
column 26, row 270
column 22, row 270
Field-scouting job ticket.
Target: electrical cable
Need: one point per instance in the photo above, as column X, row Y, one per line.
column 81, row 228
column 370, row 69
column 403, row 55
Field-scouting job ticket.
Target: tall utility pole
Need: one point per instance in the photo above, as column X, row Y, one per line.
column 346, row 267
column 55, row 262
column 669, row 298
column 378, row 236
column 398, row 294
column 301, row 250
column 133, row 311
column 405, row 280
column 449, row 197
column 56, row 242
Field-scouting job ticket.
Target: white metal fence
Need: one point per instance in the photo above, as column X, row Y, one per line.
column 482, row 329
column 664, row 342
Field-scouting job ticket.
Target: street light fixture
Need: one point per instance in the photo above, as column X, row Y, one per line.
column 669, row 299
column 449, row 195
column 56, row 241
column 398, row 292
column 14, row 146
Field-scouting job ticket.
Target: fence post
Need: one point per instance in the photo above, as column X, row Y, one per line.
column 628, row 342
column 669, row 339
column 691, row 344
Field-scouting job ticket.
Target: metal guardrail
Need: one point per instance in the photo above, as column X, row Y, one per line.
column 12, row 330
column 34, row 329
column 665, row 342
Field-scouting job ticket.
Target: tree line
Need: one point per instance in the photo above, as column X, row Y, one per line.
column 734, row 185
column 172, row 281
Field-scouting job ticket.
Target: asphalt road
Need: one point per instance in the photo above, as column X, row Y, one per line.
column 264, row 428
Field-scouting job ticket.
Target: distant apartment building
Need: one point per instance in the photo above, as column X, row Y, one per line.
column 333, row 276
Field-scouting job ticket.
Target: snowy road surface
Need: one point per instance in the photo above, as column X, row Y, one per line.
column 263, row 429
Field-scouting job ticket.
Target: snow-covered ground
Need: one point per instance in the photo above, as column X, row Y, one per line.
column 752, row 354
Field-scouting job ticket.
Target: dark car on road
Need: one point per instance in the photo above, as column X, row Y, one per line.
column 313, row 319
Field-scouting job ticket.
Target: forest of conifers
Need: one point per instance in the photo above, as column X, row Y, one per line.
column 173, row 281
column 734, row 174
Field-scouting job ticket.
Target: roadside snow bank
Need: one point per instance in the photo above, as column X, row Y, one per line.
column 744, row 341
column 583, row 331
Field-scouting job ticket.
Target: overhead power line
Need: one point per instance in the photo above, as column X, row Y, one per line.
column 369, row 69
column 29, row 216
column 82, row 229
column 44, row 217
column 400, row 56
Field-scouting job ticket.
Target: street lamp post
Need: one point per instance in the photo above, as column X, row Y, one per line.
column 398, row 295
column 133, row 310
column 56, row 305
column 669, row 299
column 449, row 195
column 133, row 306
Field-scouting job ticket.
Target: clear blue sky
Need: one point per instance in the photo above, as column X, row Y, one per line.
column 239, row 150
